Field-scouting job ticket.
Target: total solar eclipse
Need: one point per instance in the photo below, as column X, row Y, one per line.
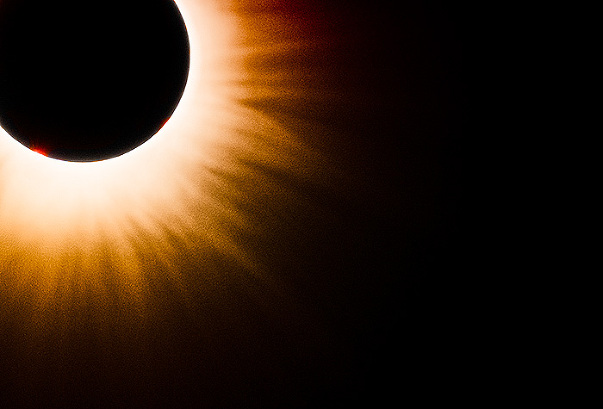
column 88, row 81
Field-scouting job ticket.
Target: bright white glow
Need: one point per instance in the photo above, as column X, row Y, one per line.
column 43, row 198
column 64, row 226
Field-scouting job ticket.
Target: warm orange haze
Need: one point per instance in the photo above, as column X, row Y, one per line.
column 268, row 247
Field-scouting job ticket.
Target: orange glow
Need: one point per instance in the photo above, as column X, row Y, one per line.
column 290, row 237
column 66, row 226
column 40, row 151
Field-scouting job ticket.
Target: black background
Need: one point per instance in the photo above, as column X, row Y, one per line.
column 377, row 275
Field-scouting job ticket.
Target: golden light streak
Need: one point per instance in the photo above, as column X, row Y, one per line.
column 106, row 227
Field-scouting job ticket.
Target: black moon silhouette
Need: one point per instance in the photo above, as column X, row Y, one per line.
column 90, row 80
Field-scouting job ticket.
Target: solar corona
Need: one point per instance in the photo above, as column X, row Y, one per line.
column 104, row 152
column 231, row 203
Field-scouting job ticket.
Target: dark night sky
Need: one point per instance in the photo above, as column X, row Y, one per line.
column 371, row 267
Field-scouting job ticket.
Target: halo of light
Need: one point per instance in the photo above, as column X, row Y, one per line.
column 65, row 224
column 42, row 197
